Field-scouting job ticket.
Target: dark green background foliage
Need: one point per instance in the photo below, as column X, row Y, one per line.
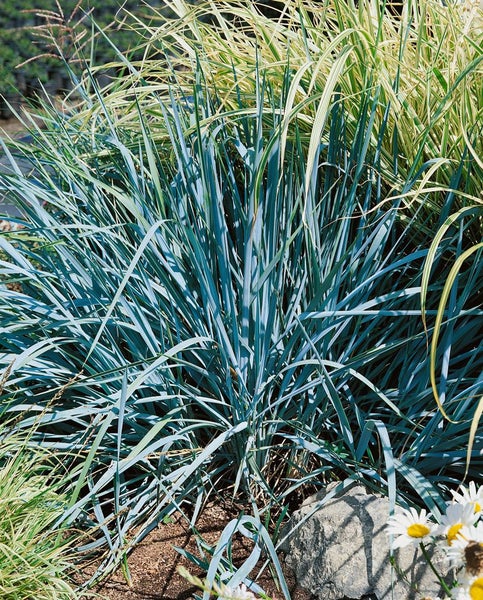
column 23, row 25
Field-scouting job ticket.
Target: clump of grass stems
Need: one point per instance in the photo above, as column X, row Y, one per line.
column 235, row 305
column 425, row 65
column 36, row 556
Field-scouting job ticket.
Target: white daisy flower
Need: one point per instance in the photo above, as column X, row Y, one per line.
column 472, row 495
column 409, row 526
column 455, row 552
column 457, row 516
column 239, row 593
column 470, row 588
column 467, row 550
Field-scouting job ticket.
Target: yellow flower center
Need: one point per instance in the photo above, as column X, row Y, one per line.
column 477, row 506
column 453, row 532
column 476, row 589
column 417, row 530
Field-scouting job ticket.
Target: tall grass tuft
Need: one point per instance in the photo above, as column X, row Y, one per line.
column 36, row 556
column 234, row 305
column 424, row 66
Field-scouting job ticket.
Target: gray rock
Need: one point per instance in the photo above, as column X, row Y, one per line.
column 342, row 552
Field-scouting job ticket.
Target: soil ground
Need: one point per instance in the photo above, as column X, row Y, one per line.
column 11, row 127
column 153, row 563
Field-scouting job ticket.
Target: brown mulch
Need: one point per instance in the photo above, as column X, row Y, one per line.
column 153, row 563
column 11, row 127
